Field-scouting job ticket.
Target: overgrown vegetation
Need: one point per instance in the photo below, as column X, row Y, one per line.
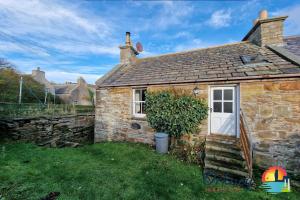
column 190, row 152
column 175, row 113
column 107, row 171
column 33, row 92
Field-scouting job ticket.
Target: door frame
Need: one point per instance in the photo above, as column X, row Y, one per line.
column 237, row 104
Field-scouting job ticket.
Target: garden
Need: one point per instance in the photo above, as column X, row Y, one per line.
column 121, row 170
column 107, row 171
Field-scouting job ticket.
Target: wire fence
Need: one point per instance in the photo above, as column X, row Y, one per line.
column 24, row 110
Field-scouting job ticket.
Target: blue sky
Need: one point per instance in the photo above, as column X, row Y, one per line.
column 68, row 39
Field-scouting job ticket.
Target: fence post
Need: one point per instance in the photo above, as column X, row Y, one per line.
column 20, row 91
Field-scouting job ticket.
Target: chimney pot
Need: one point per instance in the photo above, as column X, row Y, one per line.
column 128, row 40
column 263, row 14
column 127, row 52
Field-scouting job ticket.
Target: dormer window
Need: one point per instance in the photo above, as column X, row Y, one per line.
column 252, row 59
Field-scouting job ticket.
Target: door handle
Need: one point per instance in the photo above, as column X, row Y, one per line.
column 210, row 109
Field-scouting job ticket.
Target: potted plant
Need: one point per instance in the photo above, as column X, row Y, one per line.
column 173, row 114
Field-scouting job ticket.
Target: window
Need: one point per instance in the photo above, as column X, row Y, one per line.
column 223, row 100
column 139, row 102
column 252, row 59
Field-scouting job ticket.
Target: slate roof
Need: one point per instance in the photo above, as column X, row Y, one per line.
column 201, row 65
column 292, row 44
column 64, row 88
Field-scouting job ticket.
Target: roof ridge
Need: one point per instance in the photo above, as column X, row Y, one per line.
column 192, row 50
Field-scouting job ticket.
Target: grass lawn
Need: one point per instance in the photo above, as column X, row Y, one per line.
column 106, row 171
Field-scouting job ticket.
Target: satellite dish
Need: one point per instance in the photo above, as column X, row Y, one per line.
column 139, row 47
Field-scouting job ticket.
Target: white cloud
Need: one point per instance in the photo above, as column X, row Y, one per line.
column 292, row 24
column 220, row 18
column 52, row 26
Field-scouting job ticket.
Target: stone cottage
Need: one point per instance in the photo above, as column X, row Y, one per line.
column 80, row 93
column 252, row 88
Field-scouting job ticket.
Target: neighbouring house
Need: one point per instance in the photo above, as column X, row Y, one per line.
column 252, row 88
column 40, row 77
column 79, row 93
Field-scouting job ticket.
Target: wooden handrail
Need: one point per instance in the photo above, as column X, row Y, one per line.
column 246, row 144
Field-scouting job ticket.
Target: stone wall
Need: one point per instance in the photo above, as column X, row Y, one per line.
column 47, row 131
column 114, row 120
column 271, row 109
column 272, row 112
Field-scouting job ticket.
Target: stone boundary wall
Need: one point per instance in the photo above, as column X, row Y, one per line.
column 61, row 131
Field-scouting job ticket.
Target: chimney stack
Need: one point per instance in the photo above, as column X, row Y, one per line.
column 127, row 52
column 38, row 75
column 266, row 31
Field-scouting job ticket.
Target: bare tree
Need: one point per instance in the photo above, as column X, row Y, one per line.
column 4, row 64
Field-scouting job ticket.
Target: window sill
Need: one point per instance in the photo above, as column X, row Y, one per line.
column 139, row 118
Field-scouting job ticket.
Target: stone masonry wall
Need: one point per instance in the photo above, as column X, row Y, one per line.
column 46, row 131
column 114, row 119
column 268, row 33
column 272, row 112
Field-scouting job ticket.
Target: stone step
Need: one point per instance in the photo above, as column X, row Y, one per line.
column 229, row 153
column 211, row 147
column 222, row 137
column 224, row 141
column 222, row 145
column 226, row 162
column 225, row 170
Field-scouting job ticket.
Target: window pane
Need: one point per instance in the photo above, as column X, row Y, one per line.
column 138, row 108
column 217, row 94
column 137, row 95
column 228, row 107
column 143, row 95
column 228, row 94
column 217, row 107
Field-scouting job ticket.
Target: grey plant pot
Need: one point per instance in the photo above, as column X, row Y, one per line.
column 161, row 142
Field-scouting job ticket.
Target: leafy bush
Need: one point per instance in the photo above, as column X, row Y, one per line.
column 175, row 114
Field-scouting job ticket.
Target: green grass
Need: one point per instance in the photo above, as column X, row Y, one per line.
column 106, row 171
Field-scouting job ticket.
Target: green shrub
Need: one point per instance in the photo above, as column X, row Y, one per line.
column 175, row 114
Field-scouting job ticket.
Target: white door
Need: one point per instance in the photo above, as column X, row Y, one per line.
column 223, row 111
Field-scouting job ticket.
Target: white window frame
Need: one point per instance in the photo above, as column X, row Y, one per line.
column 138, row 115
